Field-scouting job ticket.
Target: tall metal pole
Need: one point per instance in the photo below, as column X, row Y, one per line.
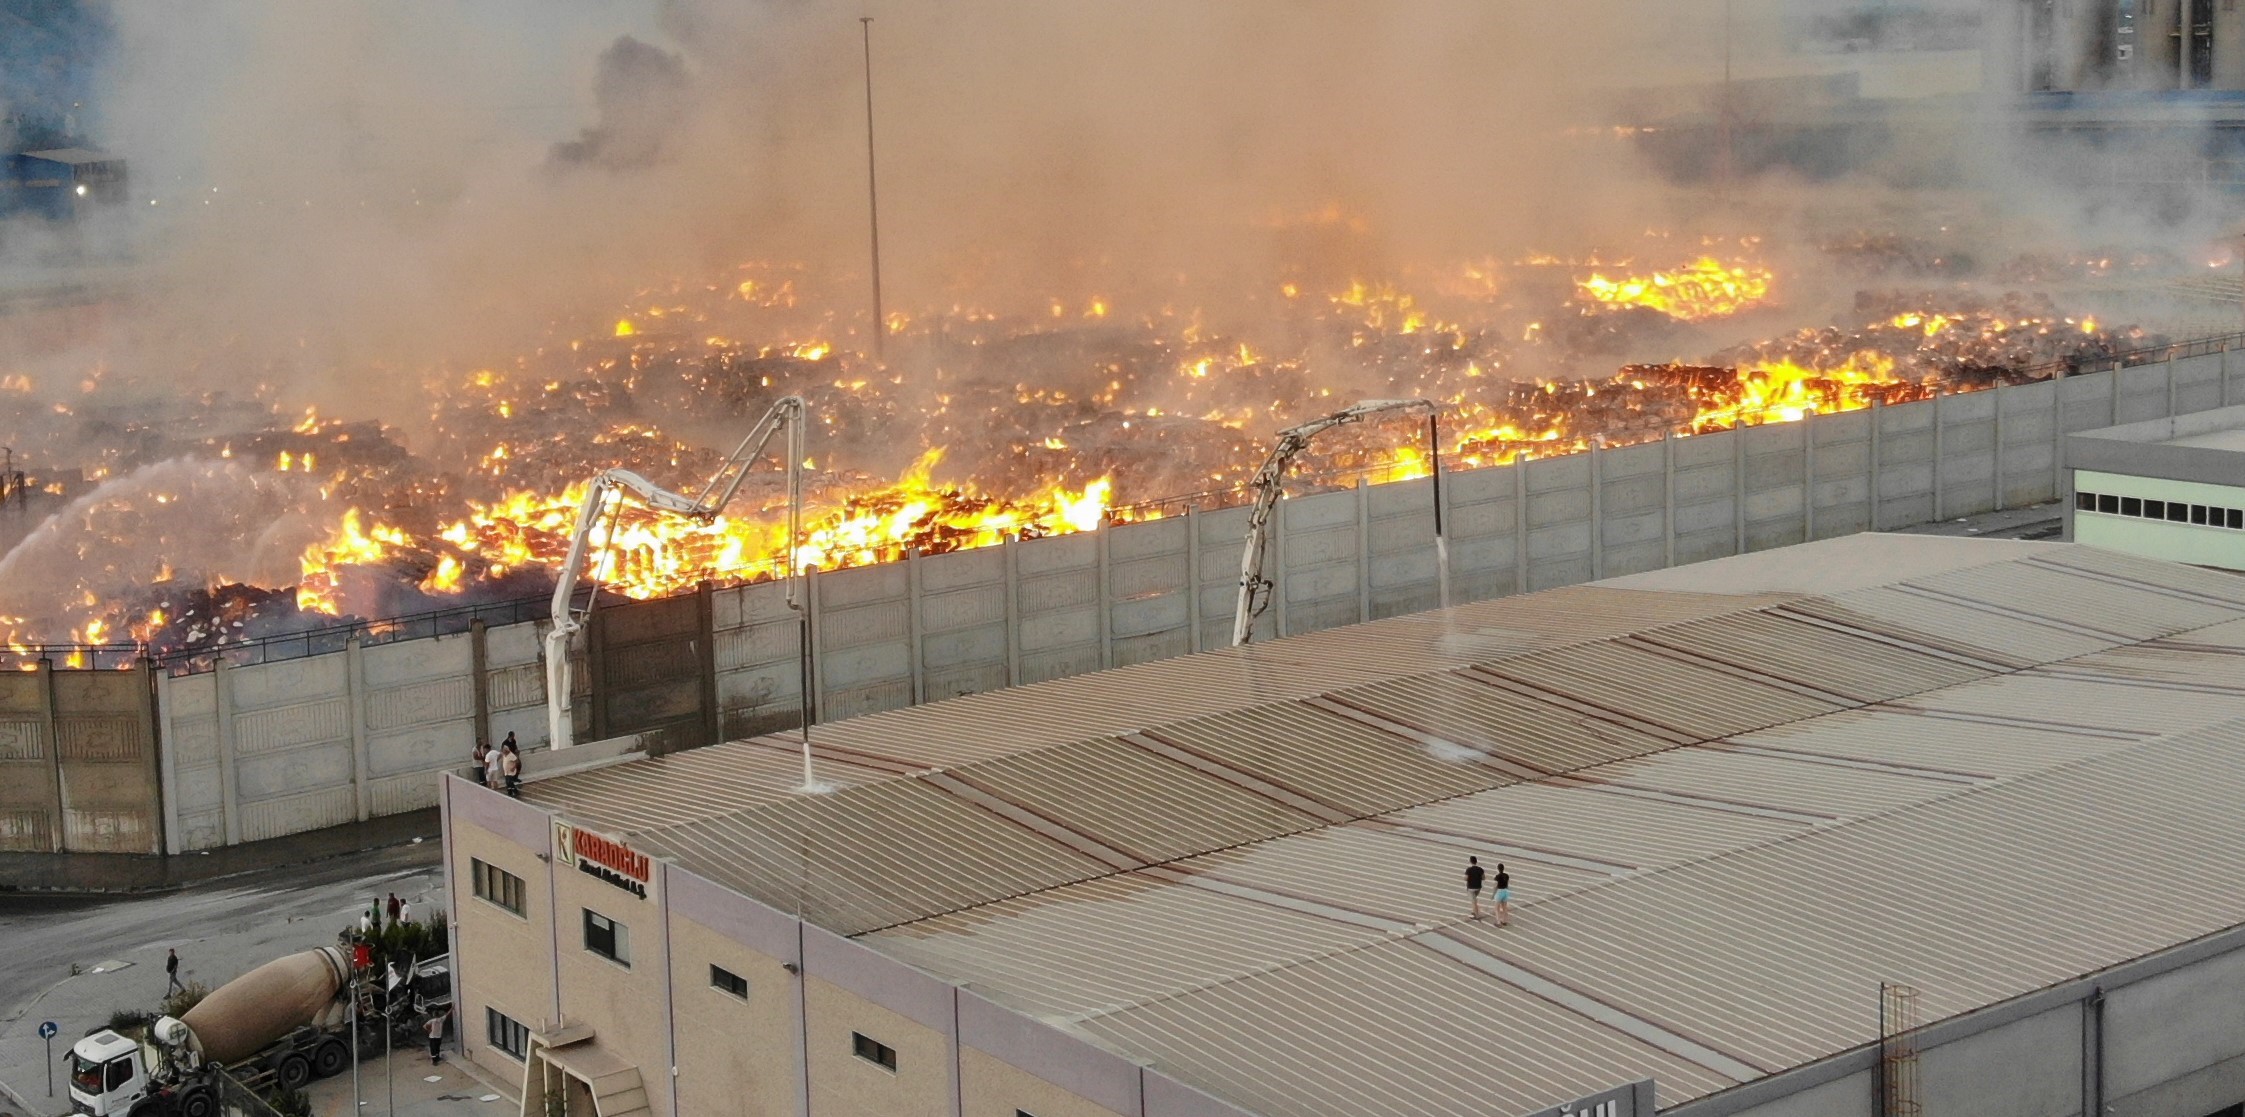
column 1730, row 156
column 873, row 193
column 355, row 1102
column 1441, row 540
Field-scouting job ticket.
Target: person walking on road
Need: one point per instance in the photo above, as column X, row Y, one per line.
column 171, row 972
column 510, row 766
column 436, row 1038
column 1504, row 896
column 1473, row 878
column 390, row 908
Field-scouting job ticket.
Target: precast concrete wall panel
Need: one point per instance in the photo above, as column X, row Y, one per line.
column 30, row 794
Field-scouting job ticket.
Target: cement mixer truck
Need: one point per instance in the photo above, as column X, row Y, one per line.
column 282, row 1024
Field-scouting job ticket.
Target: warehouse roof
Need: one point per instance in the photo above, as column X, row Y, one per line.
column 1729, row 815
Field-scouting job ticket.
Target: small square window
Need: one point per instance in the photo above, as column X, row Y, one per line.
column 726, row 981
column 2177, row 511
column 497, row 885
column 2086, row 502
column 2198, row 513
column 2131, row 506
column 2155, row 509
column 607, row 938
column 2108, row 503
column 2236, row 517
column 873, row 1051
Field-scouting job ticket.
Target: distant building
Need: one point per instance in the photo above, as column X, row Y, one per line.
column 2170, row 489
column 60, row 183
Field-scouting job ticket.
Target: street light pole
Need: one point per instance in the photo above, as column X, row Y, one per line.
column 872, row 192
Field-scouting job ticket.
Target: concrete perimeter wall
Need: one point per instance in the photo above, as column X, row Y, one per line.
column 78, row 762
column 272, row 749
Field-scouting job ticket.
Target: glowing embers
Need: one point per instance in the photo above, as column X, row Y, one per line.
column 1703, row 289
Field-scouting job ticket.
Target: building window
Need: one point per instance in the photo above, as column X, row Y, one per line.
column 607, row 938
column 2177, row 512
column 2236, row 517
column 498, row 886
column 2108, row 504
column 726, row 981
column 2131, row 506
column 506, row 1034
column 2086, row 502
column 2155, row 509
column 873, row 1051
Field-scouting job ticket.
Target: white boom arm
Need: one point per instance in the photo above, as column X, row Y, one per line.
column 786, row 414
column 1254, row 589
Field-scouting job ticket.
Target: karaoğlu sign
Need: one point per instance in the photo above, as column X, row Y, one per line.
column 606, row 858
column 1632, row 1100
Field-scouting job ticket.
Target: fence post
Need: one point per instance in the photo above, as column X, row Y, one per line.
column 354, row 684
column 1878, row 417
column 1597, row 514
column 1102, row 532
column 1192, row 577
column 1667, row 499
column 1939, row 474
column 914, row 624
column 1363, row 548
column 1519, row 524
column 49, row 729
column 222, row 690
column 1808, row 476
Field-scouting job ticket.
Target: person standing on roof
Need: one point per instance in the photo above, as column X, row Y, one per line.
column 510, row 766
column 1473, row 878
column 482, row 760
column 1504, row 896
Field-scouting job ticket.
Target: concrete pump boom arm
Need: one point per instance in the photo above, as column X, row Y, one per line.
column 1269, row 484
column 787, row 414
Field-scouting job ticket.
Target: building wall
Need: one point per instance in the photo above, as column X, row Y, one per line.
column 744, row 1056
column 502, row 960
column 629, row 1004
column 2160, row 1036
column 2202, row 545
column 269, row 749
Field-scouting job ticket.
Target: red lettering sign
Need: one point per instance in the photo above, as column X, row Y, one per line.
column 609, row 854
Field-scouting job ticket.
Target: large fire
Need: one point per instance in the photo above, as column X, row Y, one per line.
column 980, row 427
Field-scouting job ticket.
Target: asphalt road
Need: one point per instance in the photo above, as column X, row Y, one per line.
column 44, row 935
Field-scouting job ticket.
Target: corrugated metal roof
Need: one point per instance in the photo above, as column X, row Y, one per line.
column 1394, row 1030
column 1143, row 805
column 1353, row 767
column 1720, row 777
column 1253, row 881
column 1390, row 872
column 1787, row 647
column 698, row 783
column 1660, row 690
column 1777, row 952
column 1470, row 714
column 1970, row 748
column 1585, row 823
column 1113, row 942
column 870, row 856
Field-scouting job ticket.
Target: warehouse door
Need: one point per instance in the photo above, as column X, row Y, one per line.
column 654, row 672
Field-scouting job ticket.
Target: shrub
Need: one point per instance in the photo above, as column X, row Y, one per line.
column 128, row 1021
column 190, row 995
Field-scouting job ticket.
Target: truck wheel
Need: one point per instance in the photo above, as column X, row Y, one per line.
column 197, row 1102
column 330, row 1058
column 293, row 1071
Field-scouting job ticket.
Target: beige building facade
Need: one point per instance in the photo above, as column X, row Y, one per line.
column 703, row 1001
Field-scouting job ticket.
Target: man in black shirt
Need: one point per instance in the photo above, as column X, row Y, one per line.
column 1473, row 876
column 171, row 971
column 1504, row 896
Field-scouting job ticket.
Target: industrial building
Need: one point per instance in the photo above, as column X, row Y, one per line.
column 1865, row 825
column 2170, row 488
column 60, row 183
column 2060, row 45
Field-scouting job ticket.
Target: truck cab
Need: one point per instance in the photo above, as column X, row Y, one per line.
column 107, row 1074
column 117, row 1076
